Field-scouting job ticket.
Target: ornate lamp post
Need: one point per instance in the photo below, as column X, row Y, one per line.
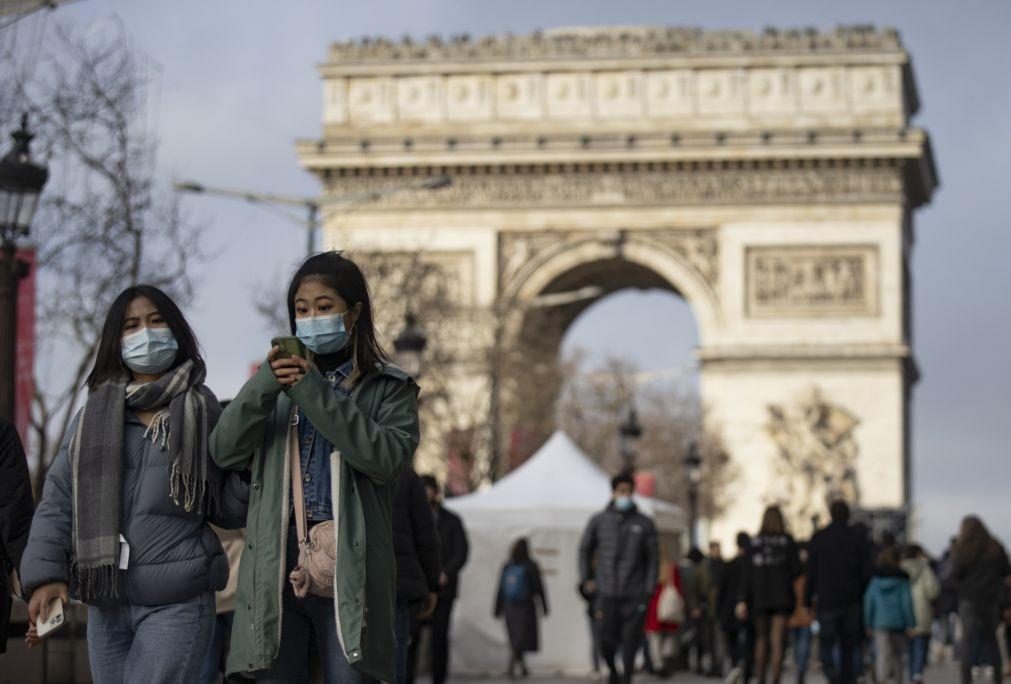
column 21, row 183
column 693, row 472
column 628, row 433
column 409, row 345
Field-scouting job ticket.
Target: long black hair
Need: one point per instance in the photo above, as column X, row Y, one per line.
column 520, row 552
column 336, row 271
column 109, row 359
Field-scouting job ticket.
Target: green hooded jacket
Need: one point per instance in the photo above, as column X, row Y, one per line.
column 375, row 433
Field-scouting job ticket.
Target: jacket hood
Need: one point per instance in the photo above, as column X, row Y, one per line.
column 888, row 585
column 886, row 572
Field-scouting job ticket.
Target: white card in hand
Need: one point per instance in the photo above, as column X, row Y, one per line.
column 124, row 553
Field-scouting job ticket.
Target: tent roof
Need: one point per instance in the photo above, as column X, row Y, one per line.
column 559, row 477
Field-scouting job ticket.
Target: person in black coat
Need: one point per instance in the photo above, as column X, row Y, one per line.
column 454, row 550
column 416, row 546
column 838, row 571
column 518, row 588
column 16, row 508
column 739, row 635
column 767, row 592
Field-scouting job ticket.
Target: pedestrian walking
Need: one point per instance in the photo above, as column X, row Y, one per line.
column 925, row 589
column 888, row 615
column 665, row 616
column 454, row 550
column 738, row 630
column 838, row 570
column 123, row 520
column 327, row 437
column 618, row 563
column 700, row 597
column 717, row 649
column 16, row 508
column 520, row 588
column 766, row 593
column 416, row 543
column 979, row 570
column 800, row 622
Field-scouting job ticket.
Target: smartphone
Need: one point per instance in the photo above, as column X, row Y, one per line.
column 55, row 619
column 290, row 346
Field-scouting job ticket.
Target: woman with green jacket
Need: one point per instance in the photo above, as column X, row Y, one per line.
column 355, row 417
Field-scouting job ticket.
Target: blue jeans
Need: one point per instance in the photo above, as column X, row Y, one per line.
column 918, row 646
column 150, row 644
column 214, row 665
column 801, row 638
column 402, row 623
column 301, row 620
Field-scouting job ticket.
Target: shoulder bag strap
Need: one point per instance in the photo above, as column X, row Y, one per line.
column 295, row 458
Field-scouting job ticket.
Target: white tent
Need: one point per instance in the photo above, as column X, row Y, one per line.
column 548, row 500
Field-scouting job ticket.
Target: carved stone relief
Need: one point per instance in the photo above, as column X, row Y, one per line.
column 831, row 280
column 645, row 188
column 817, row 457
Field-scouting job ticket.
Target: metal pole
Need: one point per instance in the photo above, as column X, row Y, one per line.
column 693, row 504
column 312, row 225
column 11, row 271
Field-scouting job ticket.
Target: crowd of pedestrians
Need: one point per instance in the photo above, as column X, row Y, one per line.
column 285, row 535
column 870, row 606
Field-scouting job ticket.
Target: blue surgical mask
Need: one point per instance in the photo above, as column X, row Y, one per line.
column 150, row 350
column 623, row 503
column 323, row 334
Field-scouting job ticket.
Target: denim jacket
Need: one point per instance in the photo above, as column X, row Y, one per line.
column 315, row 452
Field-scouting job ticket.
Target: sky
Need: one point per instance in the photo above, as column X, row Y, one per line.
column 238, row 85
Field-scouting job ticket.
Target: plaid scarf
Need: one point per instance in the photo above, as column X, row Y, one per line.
column 186, row 413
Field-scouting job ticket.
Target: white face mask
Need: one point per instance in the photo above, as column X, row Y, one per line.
column 150, row 350
column 623, row 503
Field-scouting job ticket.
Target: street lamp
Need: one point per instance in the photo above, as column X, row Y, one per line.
column 693, row 471
column 21, row 183
column 629, row 432
column 312, row 205
column 409, row 345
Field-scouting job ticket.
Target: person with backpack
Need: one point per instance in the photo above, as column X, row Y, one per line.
column 325, row 440
column 123, row 523
column 888, row 615
column 519, row 589
column 925, row 588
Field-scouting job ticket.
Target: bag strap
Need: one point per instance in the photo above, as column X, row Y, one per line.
column 295, row 458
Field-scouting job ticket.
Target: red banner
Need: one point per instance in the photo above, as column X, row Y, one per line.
column 24, row 350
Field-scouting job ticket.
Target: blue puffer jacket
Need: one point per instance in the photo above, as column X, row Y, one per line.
column 888, row 601
column 174, row 555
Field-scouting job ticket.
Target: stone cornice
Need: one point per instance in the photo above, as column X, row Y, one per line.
column 606, row 43
column 825, row 352
column 638, row 185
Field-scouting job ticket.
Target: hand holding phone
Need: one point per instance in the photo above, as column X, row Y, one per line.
column 54, row 618
column 288, row 359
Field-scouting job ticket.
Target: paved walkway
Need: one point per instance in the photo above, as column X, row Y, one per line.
column 937, row 674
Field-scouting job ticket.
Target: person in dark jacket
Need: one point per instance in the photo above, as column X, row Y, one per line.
column 519, row 588
column 838, row 570
column 416, row 544
column 700, row 592
column 618, row 561
column 123, row 520
column 767, row 593
column 454, row 550
column 980, row 571
column 16, row 506
column 738, row 631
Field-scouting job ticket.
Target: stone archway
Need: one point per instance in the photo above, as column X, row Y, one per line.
column 770, row 179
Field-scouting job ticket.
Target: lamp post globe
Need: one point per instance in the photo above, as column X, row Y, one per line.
column 693, row 474
column 410, row 345
column 629, row 432
column 21, row 182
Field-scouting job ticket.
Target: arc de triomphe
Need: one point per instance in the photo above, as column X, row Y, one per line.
column 769, row 179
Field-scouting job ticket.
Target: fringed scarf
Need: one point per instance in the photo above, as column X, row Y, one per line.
column 186, row 412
